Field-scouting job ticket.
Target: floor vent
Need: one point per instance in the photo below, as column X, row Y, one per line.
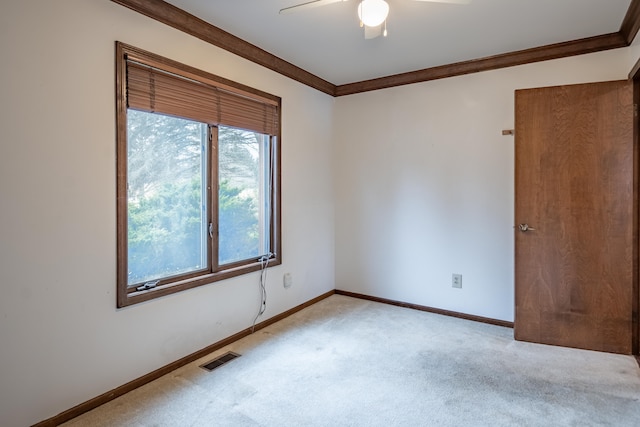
column 219, row 361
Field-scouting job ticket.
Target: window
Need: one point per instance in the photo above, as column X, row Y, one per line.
column 198, row 177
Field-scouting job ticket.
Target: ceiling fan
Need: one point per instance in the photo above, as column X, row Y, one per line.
column 372, row 13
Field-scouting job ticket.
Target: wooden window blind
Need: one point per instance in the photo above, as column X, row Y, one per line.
column 153, row 90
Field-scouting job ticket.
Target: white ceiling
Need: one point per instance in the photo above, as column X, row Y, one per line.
column 328, row 42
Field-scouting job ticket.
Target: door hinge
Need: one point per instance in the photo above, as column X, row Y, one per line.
column 635, row 110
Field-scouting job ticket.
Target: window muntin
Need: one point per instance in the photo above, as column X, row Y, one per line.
column 201, row 175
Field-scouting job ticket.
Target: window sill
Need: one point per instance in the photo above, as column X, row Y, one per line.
column 132, row 296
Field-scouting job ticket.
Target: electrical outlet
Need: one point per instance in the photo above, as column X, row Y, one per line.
column 287, row 280
column 456, row 280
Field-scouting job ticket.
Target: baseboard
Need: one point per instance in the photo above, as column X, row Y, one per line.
column 428, row 309
column 145, row 379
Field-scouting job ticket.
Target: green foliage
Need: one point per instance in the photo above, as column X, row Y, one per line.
column 167, row 225
column 165, row 232
column 238, row 155
column 166, row 235
column 238, row 219
column 238, row 225
column 161, row 148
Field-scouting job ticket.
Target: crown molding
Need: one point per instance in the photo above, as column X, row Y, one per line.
column 528, row 56
column 181, row 20
column 631, row 22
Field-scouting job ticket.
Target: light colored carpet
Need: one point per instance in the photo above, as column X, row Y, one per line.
column 348, row 362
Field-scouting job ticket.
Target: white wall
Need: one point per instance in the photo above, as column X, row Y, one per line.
column 62, row 340
column 633, row 53
column 425, row 184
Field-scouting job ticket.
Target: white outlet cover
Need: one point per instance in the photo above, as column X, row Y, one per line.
column 456, row 281
column 287, row 280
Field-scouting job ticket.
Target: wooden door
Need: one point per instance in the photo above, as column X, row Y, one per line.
column 574, row 189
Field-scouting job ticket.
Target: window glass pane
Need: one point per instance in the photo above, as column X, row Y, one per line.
column 166, row 196
column 244, row 165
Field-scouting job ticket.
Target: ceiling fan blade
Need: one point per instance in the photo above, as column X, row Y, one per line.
column 372, row 32
column 308, row 5
column 448, row 1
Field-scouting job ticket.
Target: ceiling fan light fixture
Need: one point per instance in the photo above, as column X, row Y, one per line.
column 373, row 12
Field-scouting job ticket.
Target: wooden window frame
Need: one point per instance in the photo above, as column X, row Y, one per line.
column 129, row 295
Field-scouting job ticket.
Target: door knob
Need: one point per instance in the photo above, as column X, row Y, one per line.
column 525, row 227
